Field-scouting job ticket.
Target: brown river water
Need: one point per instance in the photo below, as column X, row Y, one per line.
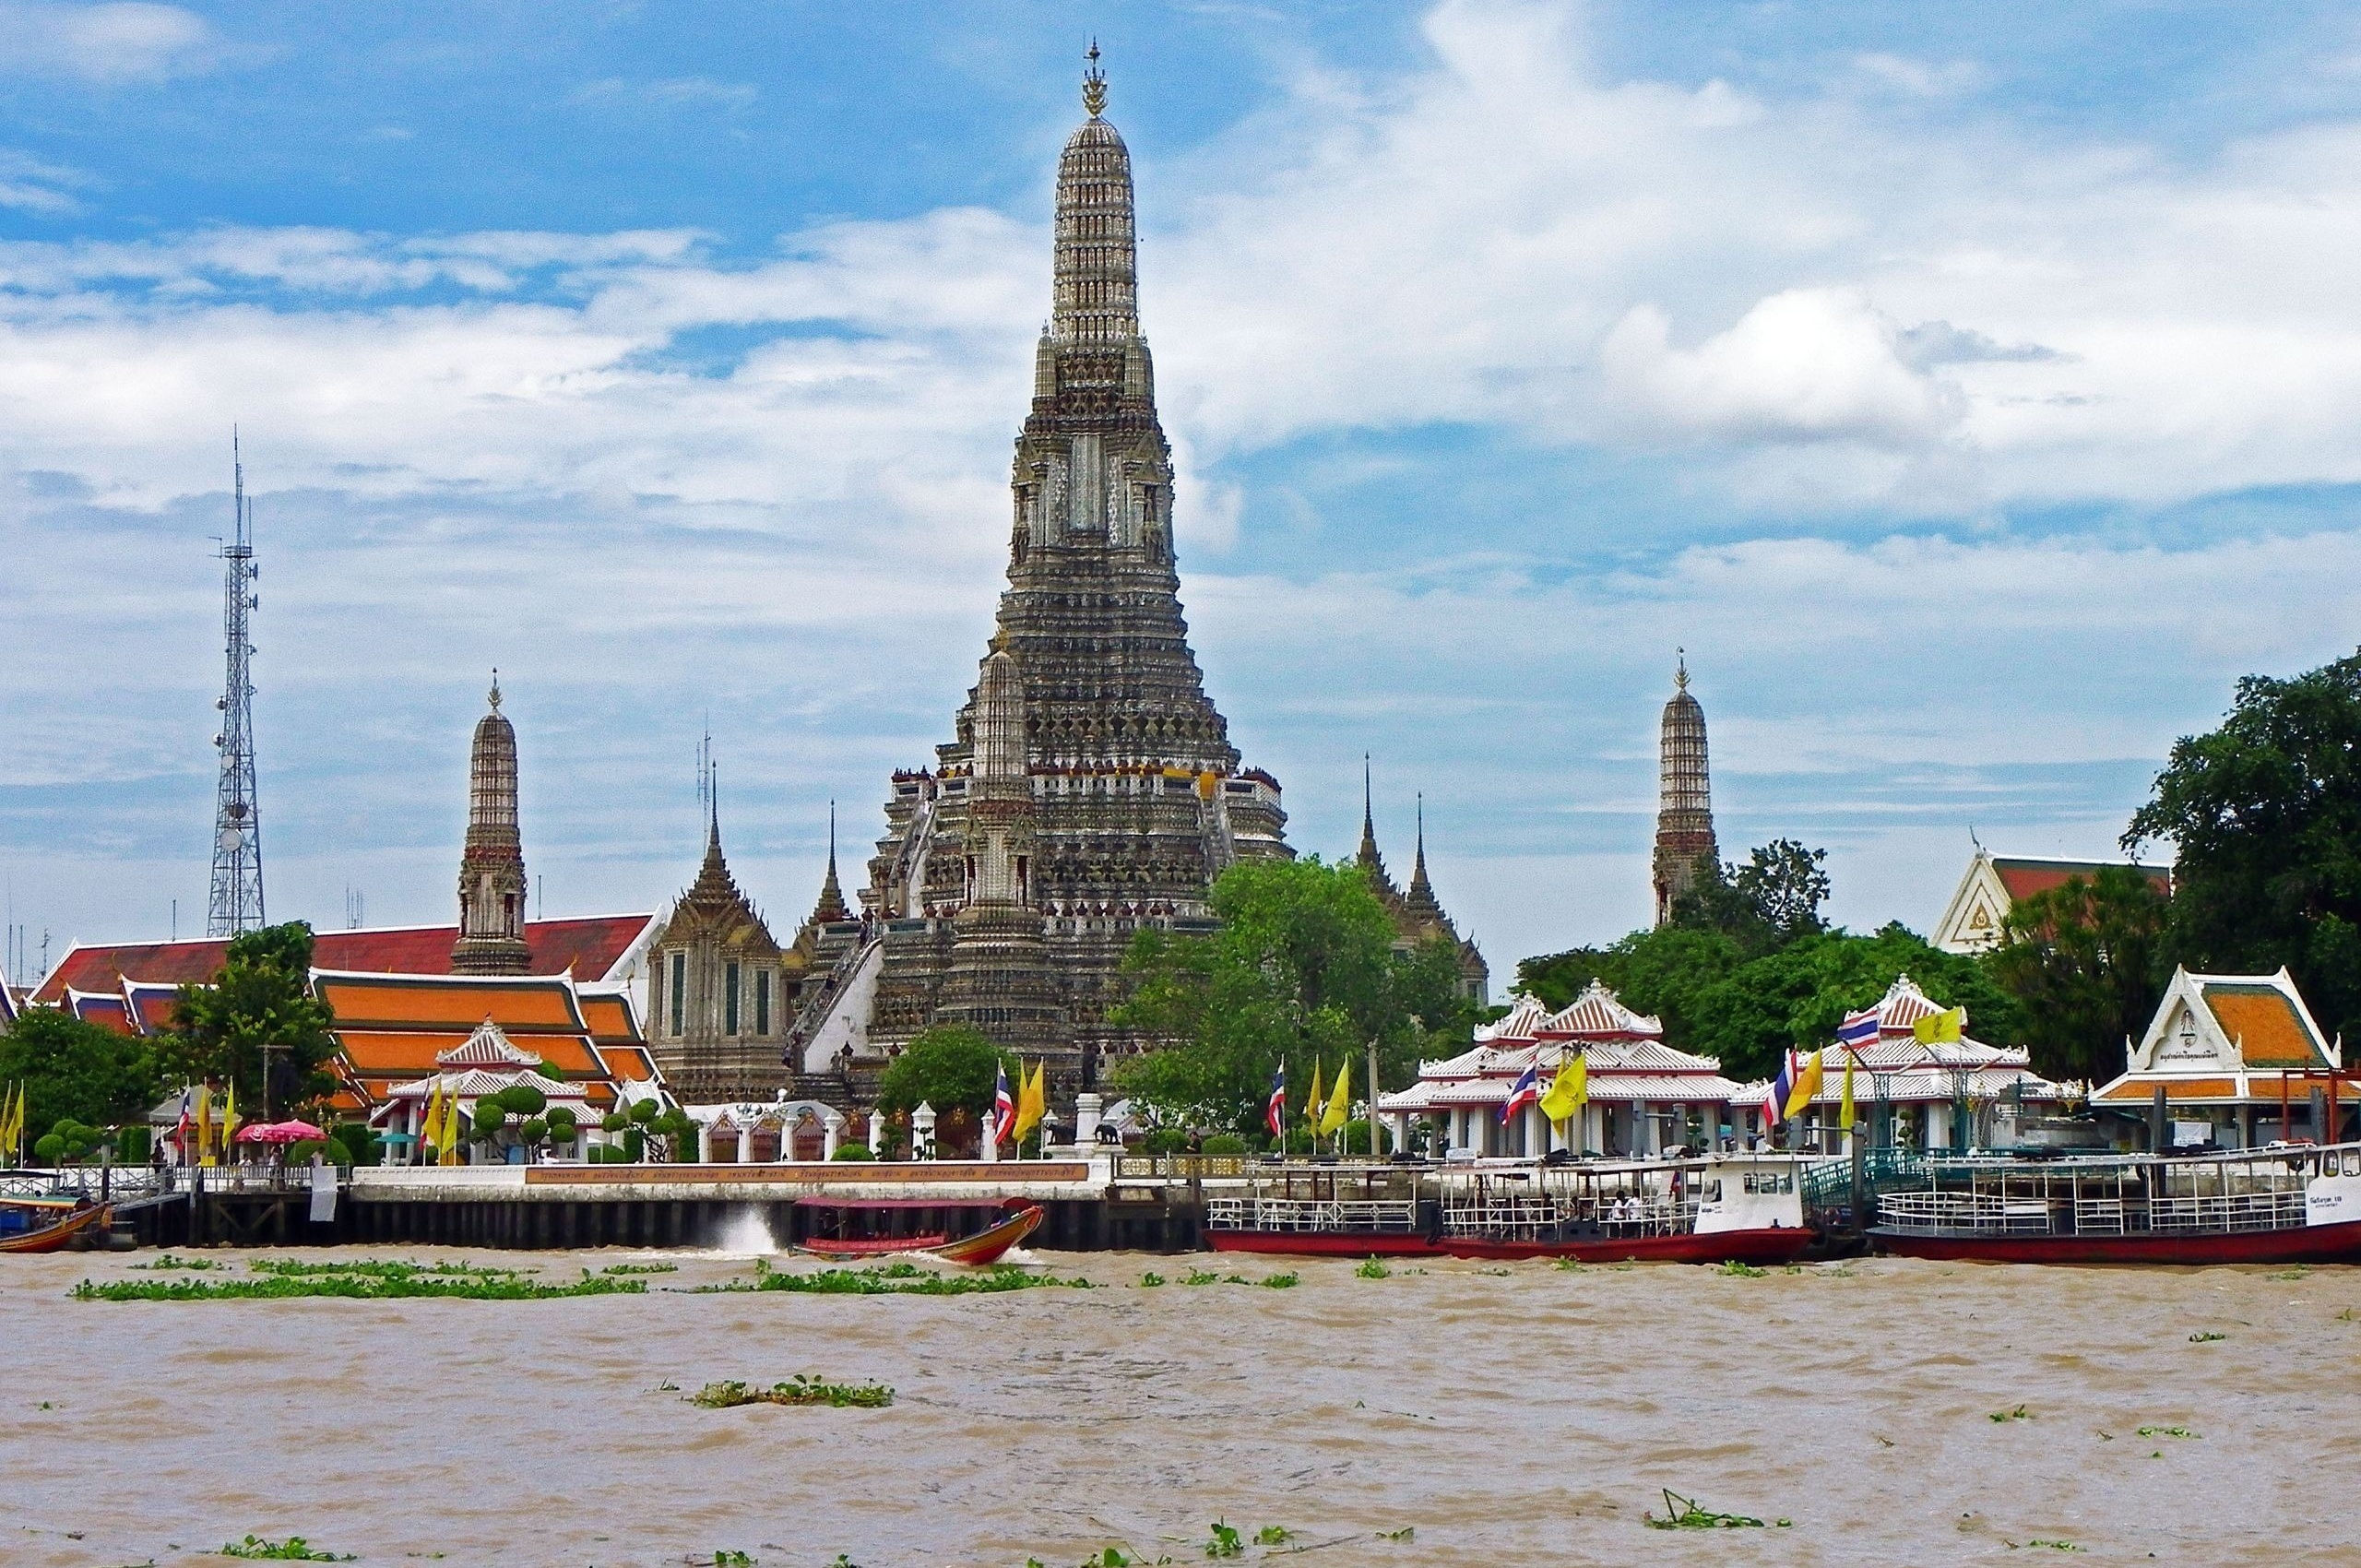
column 1521, row 1416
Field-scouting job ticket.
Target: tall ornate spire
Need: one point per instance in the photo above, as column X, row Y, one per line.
column 492, row 866
column 1422, row 892
column 831, row 906
column 1685, row 843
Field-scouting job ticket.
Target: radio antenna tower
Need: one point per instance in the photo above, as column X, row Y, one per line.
column 237, row 820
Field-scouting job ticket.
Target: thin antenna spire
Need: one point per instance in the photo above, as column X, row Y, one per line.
column 235, row 903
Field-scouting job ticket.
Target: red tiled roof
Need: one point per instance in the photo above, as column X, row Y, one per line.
column 104, row 1009
column 591, row 946
column 2025, row 878
column 152, row 1007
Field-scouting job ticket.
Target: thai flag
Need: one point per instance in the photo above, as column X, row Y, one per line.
column 1859, row 1029
column 1004, row 1107
column 1275, row 1115
column 1774, row 1104
column 180, row 1130
column 1525, row 1091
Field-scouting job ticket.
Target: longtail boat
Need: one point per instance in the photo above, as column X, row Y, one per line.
column 975, row 1233
column 66, row 1220
column 2284, row 1204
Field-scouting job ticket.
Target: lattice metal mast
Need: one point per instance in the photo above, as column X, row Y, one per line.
column 237, row 820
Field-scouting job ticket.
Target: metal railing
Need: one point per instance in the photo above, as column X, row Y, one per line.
column 1310, row 1215
column 1179, row 1166
column 1536, row 1219
column 1986, row 1213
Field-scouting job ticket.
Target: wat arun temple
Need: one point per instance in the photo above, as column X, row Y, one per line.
column 1090, row 788
column 1088, row 791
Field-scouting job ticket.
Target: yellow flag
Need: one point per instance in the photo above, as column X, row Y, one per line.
column 1808, row 1083
column 449, row 1142
column 1311, row 1107
column 229, row 1119
column 1570, row 1090
column 1032, row 1102
column 12, row 1122
column 1845, row 1108
column 1340, row 1100
column 429, row 1126
column 204, row 1124
column 1941, row 1028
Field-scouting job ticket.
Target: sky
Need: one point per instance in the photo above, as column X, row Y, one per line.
column 1970, row 389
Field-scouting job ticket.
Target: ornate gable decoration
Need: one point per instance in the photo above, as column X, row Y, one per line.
column 488, row 1047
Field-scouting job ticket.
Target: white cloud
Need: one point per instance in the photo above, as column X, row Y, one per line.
column 1807, row 365
column 33, row 184
column 124, row 40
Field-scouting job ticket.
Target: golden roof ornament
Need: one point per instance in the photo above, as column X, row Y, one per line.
column 1094, row 84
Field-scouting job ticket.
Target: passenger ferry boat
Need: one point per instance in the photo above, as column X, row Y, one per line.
column 2285, row 1204
column 1713, row 1208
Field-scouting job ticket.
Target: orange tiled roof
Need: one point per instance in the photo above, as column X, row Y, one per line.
column 519, row 1003
column 381, row 1052
column 609, row 1018
column 627, row 1063
column 2142, row 1090
column 2269, row 1031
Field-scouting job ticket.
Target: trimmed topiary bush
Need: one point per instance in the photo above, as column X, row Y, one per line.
column 853, row 1151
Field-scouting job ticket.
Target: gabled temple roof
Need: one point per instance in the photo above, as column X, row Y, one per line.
column 590, row 947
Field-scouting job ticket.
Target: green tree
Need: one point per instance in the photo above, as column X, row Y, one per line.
column 1797, row 995
column 1301, row 967
column 2265, row 814
column 1667, row 972
column 259, row 1010
column 2085, row 962
column 79, row 1072
column 951, row 1067
column 1746, row 1011
column 1772, row 900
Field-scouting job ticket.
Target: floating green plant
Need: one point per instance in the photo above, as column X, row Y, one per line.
column 910, row 1279
column 1151, row 1279
column 2048, row 1545
column 726, row 1559
column 1273, row 1535
column 1406, row 1533
column 641, row 1268
column 171, row 1261
column 1201, row 1277
column 385, row 1268
column 801, row 1389
column 1685, row 1513
column 1569, row 1266
column 2165, row 1432
column 294, row 1549
column 1227, row 1541
column 1738, row 1270
column 2300, row 1271
column 2019, row 1414
column 2206, row 1336
column 1373, row 1268
column 361, row 1287
column 1281, row 1281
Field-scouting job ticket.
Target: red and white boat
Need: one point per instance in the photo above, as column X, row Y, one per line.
column 50, row 1224
column 2285, row 1204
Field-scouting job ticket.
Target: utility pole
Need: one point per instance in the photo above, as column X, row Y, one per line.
column 236, row 906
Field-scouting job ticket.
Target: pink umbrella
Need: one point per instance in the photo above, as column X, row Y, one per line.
column 279, row 1132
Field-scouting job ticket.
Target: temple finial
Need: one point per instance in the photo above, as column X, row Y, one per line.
column 1681, row 669
column 495, row 688
column 1094, row 84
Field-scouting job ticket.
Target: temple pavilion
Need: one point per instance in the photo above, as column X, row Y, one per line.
column 2230, row 1060
column 1926, row 1095
column 1645, row 1096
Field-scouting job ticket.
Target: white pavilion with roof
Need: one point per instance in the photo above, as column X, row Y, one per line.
column 1934, row 1095
column 1645, row 1096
